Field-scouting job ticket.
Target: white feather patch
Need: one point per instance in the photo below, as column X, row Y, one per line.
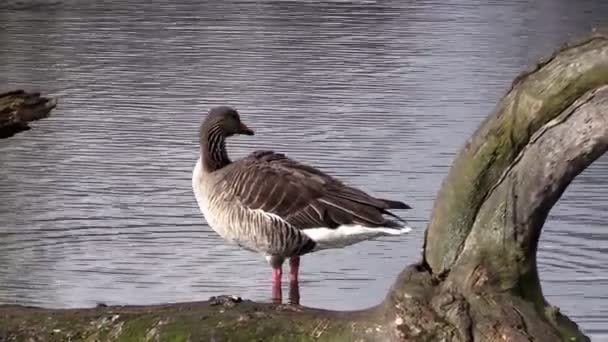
column 349, row 234
column 344, row 235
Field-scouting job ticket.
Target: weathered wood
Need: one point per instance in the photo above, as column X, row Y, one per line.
column 537, row 96
column 478, row 279
column 18, row 108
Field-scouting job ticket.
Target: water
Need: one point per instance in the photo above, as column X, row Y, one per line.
column 96, row 200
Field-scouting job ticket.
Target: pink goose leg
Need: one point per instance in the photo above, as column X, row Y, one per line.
column 294, row 287
column 294, row 268
column 277, row 272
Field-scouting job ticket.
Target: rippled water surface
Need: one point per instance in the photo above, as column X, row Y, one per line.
column 96, row 204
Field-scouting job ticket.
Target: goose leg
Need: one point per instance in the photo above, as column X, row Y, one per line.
column 277, row 271
column 294, row 286
column 294, row 268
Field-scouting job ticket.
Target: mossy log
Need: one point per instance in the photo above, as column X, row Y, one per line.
column 18, row 108
column 477, row 280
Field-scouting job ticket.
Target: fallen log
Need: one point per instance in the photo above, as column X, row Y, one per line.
column 477, row 280
column 18, row 108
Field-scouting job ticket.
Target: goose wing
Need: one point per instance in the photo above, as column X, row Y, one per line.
column 302, row 195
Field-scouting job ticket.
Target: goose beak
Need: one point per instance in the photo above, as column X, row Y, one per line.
column 243, row 129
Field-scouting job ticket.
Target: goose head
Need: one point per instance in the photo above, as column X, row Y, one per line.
column 227, row 119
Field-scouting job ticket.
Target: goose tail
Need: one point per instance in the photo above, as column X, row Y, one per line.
column 392, row 227
column 390, row 204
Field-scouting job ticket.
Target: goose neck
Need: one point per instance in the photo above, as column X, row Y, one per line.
column 213, row 148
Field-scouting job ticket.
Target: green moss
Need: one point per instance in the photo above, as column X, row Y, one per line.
column 177, row 332
column 137, row 329
column 177, row 336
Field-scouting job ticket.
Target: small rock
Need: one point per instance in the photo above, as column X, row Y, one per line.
column 289, row 307
column 259, row 314
column 243, row 318
column 151, row 334
column 225, row 300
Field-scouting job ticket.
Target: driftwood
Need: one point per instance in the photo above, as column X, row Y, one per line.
column 477, row 280
column 18, row 108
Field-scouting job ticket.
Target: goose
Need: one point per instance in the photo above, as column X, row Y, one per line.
column 279, row 207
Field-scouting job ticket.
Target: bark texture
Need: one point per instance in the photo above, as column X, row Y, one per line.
column 477, row 280
column 18, row 108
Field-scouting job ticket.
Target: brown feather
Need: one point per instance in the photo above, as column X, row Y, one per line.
column 302, row 195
